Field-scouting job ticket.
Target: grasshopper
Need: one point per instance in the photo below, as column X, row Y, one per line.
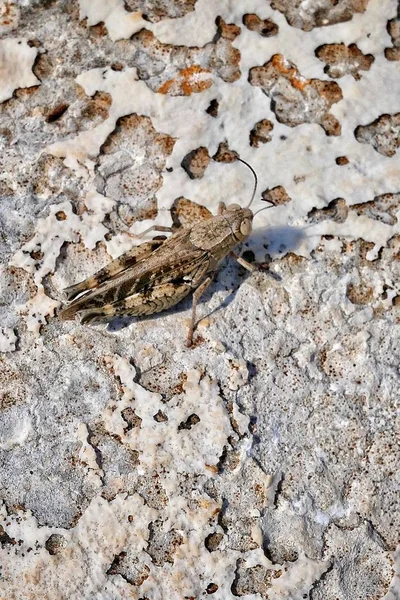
column 158, row 274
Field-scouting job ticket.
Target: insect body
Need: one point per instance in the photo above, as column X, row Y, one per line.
column 158, row 274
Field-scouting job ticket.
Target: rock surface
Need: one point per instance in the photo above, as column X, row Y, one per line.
column 295, row 99
column 263, row 462
column 344, row 60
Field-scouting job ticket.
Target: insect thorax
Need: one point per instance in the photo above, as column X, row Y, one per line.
column 221, row 234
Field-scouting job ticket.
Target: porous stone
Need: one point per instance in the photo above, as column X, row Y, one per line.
column 344, row 60
column 157, row 10
column 260, row 134
column 295, row 99
column 224, row 154
column 277, row 195
column 196, row 162
column 393, row 27
column 382, row 208
column 263, row 460
column 383, row 134
column 336, row 210
column 319, row 14
column 265, row 27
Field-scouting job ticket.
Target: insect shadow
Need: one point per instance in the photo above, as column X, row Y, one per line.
column 274, row 240
column 277, row 240
column 270, row 240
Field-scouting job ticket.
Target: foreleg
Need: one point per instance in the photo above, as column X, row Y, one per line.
column 196, row 296
column 154, row 228
column 249, row 266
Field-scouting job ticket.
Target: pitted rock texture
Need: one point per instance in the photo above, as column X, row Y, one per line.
column 260, row 134
column 383, row 134
column 295, row 99
column 277, row 195
column 318, row 14
column 160, row 9
column 361, row 542
column 185, row 213
column 119, row 171
column 262, row 460
column 178, row 70
column 55, row 544
column 130, row 568
column 382, row 208
column 224, row 154
column 394, row 32
column 162, row 544
column 196, row 162
column 344, row 60
column 253, row 580
column 212, row 109
column 264, row 27
column 9, row 16
column 336, row 210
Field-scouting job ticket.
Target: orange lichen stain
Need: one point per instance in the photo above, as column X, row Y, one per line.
column 207, row 504
column 166, row 86
column 212, row 468
column 6, row 11
column 190, row 80
column 294, row 76
column 136, row 16
column 8, row 14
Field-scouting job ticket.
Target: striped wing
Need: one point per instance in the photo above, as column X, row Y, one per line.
column 176, row 260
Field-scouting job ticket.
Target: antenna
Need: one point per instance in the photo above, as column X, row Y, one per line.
column 264, row 208
column 255, row 180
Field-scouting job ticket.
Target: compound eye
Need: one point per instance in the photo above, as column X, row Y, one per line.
column 245, row 227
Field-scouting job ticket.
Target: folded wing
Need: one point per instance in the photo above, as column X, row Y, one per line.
column 175, row 260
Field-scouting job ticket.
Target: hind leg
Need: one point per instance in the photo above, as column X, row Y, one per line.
column 123, row 262
column 155, row 300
